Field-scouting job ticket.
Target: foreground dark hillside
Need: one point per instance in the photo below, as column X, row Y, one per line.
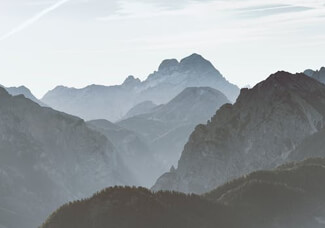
column 291, row 196
column 127, row 207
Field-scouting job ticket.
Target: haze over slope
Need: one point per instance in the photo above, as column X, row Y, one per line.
column 22, row 90
column 259, row 131
column 133, row 150
column 48, row 158
column 113, row 102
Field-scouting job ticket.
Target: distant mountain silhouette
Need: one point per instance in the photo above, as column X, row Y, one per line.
column 113, row 102
column 141, row 108
column 260, row 131
column 48, row 158
column 292, row 196
column 319, row 75
column 167, row 127
column 22, row 90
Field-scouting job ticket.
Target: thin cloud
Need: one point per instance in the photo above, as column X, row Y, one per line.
column 34, row 19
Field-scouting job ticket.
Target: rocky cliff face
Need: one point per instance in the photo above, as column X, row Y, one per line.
column 113, row 102
column 312, row 146
column 48, row 158
column 259, row 131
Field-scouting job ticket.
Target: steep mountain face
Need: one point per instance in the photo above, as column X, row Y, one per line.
column 312, row 146
column 319, row 75
column 259, row 131
column 48, row 158
column 292, row 196
column 133, row 150
column 167, row 128
column 172, row 77
column 22, row 90
column 141, row 108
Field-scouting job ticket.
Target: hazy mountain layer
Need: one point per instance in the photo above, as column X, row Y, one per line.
column 319, row 75
column 141, row 108
column 22, row 90
column 113, row 102
column 291, row 196
column 259, row 131
column 48, row 158
column 133, row 150
column 167, row 128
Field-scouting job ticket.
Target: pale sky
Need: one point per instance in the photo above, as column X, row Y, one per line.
column 45, row 43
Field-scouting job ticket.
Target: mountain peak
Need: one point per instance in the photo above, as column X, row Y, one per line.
column 131, row 81
column 194, row 59
column 318, row 75
column 288, row 80
column 309, row 72
column 197, row 64
column 278, row 83
column 198, row 91
column 168, row 65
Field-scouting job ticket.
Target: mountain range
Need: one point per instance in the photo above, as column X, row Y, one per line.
column 319, row 75
column 291, row 196
column 49, row 158
column 260, row 131
column 172, row 77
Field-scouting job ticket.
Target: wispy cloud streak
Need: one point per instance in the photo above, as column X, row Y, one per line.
column 34, row 19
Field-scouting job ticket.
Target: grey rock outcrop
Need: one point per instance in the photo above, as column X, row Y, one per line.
column 259, row 131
